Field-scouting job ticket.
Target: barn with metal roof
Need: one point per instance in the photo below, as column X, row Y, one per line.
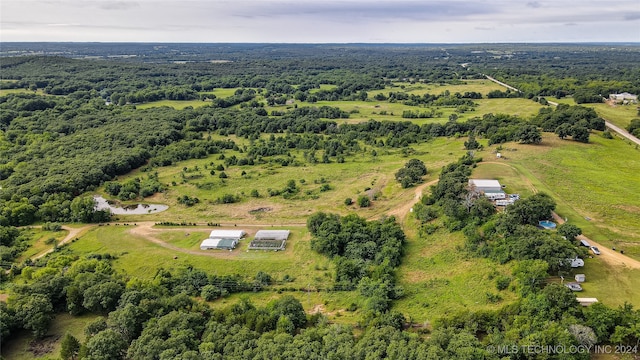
column 272, row 235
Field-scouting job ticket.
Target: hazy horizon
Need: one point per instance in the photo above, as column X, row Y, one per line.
column 320, row 22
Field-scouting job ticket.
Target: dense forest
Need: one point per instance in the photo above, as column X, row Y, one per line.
column 74, row 124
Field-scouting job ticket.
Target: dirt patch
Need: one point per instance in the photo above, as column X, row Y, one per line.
column 4, row 297
column 416, row 277
column 260, row 210
column 629, row 208
column 43, row 346
column 317, row 309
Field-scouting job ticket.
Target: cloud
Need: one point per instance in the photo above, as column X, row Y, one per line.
column 358, row 10
column 534, row 4
column 117, row 5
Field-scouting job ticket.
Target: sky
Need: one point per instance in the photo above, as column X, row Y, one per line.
column 318, row 21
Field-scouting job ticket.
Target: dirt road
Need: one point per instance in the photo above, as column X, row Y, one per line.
column 73, row 233
column 401, row 211
column 610, row 256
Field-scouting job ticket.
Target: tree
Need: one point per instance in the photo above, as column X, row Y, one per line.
column 472, row 143
column 530, row 274
column 563, row 130
column 580, row 133
column 569, row 231
column 35, row 312
column 528, row 134
column 411, row 173
column 69, row 347
column 106, row 345
column 210, row 292
column 364, row 201
column 102, row 297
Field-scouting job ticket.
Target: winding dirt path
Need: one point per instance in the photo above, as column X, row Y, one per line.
column 73, row 233
column 401, row 211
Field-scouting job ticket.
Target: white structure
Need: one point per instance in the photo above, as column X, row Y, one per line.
column 504, row 202
column 227, row 234
column 577, row 262
column 624, row 97
column 272, row 235
column 489, row 188
column 587, row 301
column 224, row 244
column 580, row 278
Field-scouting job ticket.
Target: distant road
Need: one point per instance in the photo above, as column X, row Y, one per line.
column 501, row 83
column 620, row 131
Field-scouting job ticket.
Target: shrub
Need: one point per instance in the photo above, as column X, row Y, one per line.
column 364, row 201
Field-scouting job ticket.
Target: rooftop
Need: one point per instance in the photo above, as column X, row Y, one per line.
column 484, row 183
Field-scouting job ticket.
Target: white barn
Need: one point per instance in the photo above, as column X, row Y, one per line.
column 227, row 234
column 223, row 244
column 272, row 235
column 489, row 188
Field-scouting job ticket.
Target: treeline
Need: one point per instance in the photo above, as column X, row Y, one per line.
column 365, row 254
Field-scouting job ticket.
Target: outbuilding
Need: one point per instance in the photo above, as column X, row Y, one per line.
column 587, row 301
column 227, row 234
column 272, row 235
column 489, row 188
column 580, row 278
column 218, row 244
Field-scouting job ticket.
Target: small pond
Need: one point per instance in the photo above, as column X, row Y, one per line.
column 137, row 209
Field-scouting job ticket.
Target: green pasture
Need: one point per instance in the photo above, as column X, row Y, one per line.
column 611, row 285
column 620, row 115
column 139, row 257
column 21, row 346
column 40, row 241
column 176, row 104
column 440, row 279
column 361, row 174
column 4, row 92
column 523, row 108
column 482, row 86
column 598, row 181
column 221, row 92
column 323, row 87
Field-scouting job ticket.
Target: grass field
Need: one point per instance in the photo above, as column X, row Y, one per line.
column 38, row 243
column 596, row 180
column 176, row 104
column 4, row 92
column 141, row 258
column 20, row 346
column 440, row 279
column 349, row 179
column 482, row 86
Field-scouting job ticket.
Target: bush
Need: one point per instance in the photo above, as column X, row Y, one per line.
column 348, row 201
column 364, row 201
column 503, row 282
column 210, row 292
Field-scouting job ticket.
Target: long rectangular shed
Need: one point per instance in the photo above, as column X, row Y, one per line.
column 227, row 234
column 272, row 234
column 221, row 244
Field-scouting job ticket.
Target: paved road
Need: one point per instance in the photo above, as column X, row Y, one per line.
column 622, row 132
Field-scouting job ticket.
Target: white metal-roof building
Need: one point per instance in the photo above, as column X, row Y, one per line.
column 484, row 185
column 224, row 244
column 272, row 235
column 227, row 234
